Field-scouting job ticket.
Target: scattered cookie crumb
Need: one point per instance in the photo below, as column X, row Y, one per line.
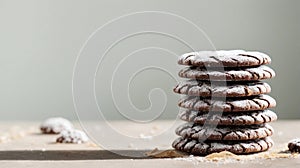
column 72, row 136
column 55, row 125
column 145, row 137
column 154, row 130
column 14, row 133
column 130, row 145
column 222, row 155
column 274, row 155
column 91, row 144
column 165, row 153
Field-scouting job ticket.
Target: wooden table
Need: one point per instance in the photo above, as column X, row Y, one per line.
column 22, row 145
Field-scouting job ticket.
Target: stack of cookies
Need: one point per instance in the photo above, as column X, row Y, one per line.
column 225, row 104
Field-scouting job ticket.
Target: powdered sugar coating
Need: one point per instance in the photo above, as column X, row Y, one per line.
column 237, row 147
column 55, row 125
column 207, row 89
column 233, row 133
column 72, row 136
column 226, row 58
column 237, row 74
column 237, row 118
column 260, row 102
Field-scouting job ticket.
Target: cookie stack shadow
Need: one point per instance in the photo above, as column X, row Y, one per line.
column 225, row 103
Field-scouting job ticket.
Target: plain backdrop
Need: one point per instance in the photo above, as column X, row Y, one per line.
column 40, row 41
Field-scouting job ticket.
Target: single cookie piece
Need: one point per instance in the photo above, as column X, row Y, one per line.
column 242, row 118
column 72, row 136
column 55, row 125
column 195, row 147
column 208, row 132
column 223, row 89
column 260, row 102
column 237, row 74
column 230, row 58
column 294, row 145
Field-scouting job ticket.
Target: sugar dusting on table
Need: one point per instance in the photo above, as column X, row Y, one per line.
column 14, row 133
column 221, row 157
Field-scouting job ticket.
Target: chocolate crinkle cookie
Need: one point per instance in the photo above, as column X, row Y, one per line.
column 294, row 145
column 226, row 105
column 72, row 136
column 55, row 125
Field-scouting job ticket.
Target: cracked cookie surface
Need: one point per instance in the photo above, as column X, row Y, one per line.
column 72, row 136
column 231, row 74
column 228, row 133
column 260, row 102
column 221, row 89
column 226, row 58
column 204, row 148
column 55, row 125
column 238, row 118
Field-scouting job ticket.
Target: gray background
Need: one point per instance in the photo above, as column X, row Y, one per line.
column 40, row 40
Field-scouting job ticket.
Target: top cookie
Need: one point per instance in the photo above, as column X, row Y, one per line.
column 229, row 58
